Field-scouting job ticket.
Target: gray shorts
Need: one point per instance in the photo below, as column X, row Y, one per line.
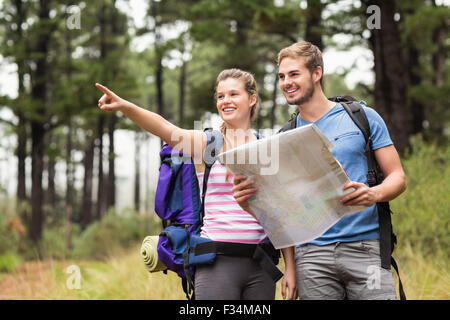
column 343, row 270
column 233, row 278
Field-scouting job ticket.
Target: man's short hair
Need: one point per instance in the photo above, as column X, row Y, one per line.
column 306, row 50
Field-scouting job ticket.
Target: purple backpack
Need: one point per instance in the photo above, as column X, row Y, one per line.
column 178, row 204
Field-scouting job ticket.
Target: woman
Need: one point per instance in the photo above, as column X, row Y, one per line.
column 229, row 277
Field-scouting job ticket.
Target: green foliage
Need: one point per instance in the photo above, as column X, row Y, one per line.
column 53, row 243
column 9, row 239
column 421, row 215
column 9, row 262
column 421, row 22
column 335, row 85
column 101, row 239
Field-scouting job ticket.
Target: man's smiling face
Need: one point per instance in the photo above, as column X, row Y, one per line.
column 295, row 81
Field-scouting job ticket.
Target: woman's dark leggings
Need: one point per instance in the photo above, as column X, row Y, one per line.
column 233, row 278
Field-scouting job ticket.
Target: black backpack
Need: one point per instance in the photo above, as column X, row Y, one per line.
column 388, row 238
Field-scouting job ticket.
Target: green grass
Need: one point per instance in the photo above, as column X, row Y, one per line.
column 9, row 262
column 422, row 213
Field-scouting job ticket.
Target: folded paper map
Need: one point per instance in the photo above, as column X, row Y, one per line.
column 299, row 184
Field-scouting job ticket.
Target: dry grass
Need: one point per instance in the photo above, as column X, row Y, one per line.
column 28, row 282
column 424, row 278
column 124, row 277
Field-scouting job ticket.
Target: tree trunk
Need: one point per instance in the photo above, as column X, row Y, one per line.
column 274, row 100
column 111, row 184
column 313, row 32
column 439, row 37
column 137, row 171
column 21, row 157
column 21, row 171
column 159, row 85
column 147, row 174
column 438, row 61
column 21, row 129
column 159, row 53
column 69, row 198
column 182, row 95
column 69, row 187
column 86, row 208
column 112, row 121
column 49, row 167
column 101, row 197
column 50, row 198
column 37, row 168
column 39, row 95
column 100, row 207
column 390, row 76
column 159, row 89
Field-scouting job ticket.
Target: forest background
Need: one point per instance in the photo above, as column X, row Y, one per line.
column 77, row 185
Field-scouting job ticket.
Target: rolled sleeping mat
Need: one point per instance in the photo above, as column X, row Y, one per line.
column 149, row 254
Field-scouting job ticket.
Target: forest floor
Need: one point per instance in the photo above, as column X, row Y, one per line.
column 125, row 277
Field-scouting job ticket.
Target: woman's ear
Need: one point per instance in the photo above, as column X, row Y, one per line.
column 253, row 99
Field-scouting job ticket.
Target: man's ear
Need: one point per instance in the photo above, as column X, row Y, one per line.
column 317, row 74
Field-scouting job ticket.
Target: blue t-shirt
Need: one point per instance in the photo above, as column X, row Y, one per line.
column 348, row 149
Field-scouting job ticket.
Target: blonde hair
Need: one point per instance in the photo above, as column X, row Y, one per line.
column 250, row 86
column 306, row 50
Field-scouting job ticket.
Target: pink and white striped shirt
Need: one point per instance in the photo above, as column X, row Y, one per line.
column 224, row 219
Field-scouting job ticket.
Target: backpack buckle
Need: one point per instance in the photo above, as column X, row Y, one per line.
column 371, row 178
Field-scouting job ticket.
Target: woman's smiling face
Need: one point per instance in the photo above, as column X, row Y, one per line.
column 234, row 104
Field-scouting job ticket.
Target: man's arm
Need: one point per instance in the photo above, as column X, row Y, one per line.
column 392, row 186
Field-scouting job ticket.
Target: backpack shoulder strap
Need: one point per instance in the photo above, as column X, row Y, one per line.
column 374, row 177
column 358, row 115
column 214, row 143
column 356, row 112
column 291, row 124
column 257, row 135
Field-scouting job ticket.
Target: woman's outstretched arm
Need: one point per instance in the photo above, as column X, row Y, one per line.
column 190, row 142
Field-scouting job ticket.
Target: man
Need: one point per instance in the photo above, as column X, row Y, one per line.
column 344, row 263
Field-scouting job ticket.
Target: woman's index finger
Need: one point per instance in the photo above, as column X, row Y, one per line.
column 104, row 89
